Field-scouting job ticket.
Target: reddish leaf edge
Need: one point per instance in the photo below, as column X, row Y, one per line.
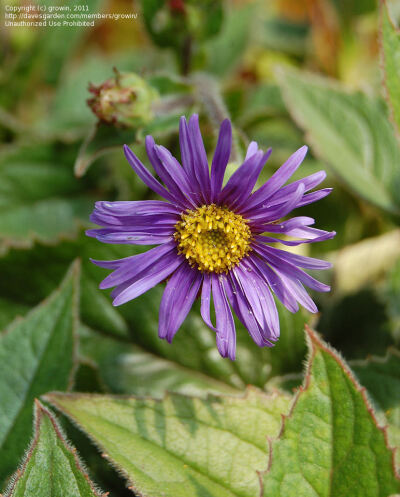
column 39, row 412
column 51, row 398
column 74, row 273
column 315, row 343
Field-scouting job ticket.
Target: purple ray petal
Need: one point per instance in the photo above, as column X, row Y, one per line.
column 298, row 292
column 251, row 150
column 295, row 243
column 280, row 211
column 245, row 313
column 126, row 238
column 134, row 222
column 185, row 147
column 188, row 162
column 289, row 269
column 221, row 159
column 226, row 333
column 148, row 178
column 177, row 300
column 147, row 279
column 135, row 208
column 242, row 181
column 270, row 312
column 314, row 197
column 284, row 227
column 277, row 180
column 200, row 157
column 282, row 194
column 170, row 172
column 130, row 267
column 205, row 301
column 298, row 260
column 275, row 283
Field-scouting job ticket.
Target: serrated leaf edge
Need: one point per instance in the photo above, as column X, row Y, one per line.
column 52, row 396
column 74, row 272
column 40, row 411
column 314, row 343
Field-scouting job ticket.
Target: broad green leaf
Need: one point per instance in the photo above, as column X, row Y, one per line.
column 330, row 444
column 350, row 132
column 37, row 354
column 51, row 467
column 390, row 52
column 39, row 198
column 181, row 446
column 381, row 377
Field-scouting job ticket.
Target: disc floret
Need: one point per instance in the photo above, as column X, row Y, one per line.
column 213, row 238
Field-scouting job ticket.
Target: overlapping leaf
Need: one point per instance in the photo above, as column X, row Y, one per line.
column 37, row 354
column 181, row 446
column 330, row 443
column 51, row 466
column 350, row 132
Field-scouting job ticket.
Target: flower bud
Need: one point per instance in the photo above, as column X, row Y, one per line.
column 124, row 100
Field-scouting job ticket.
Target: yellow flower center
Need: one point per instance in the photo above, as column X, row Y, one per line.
column 213, row 238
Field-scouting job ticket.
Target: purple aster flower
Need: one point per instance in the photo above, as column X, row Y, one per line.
column 214, row 240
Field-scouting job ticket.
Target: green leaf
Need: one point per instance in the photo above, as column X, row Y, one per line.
column 350, row 132
column 181, row 446
column 390, row 50
column 37, row 354
column 51, row 467
column 381, row 377
column 39, row 198
column 330, row 443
